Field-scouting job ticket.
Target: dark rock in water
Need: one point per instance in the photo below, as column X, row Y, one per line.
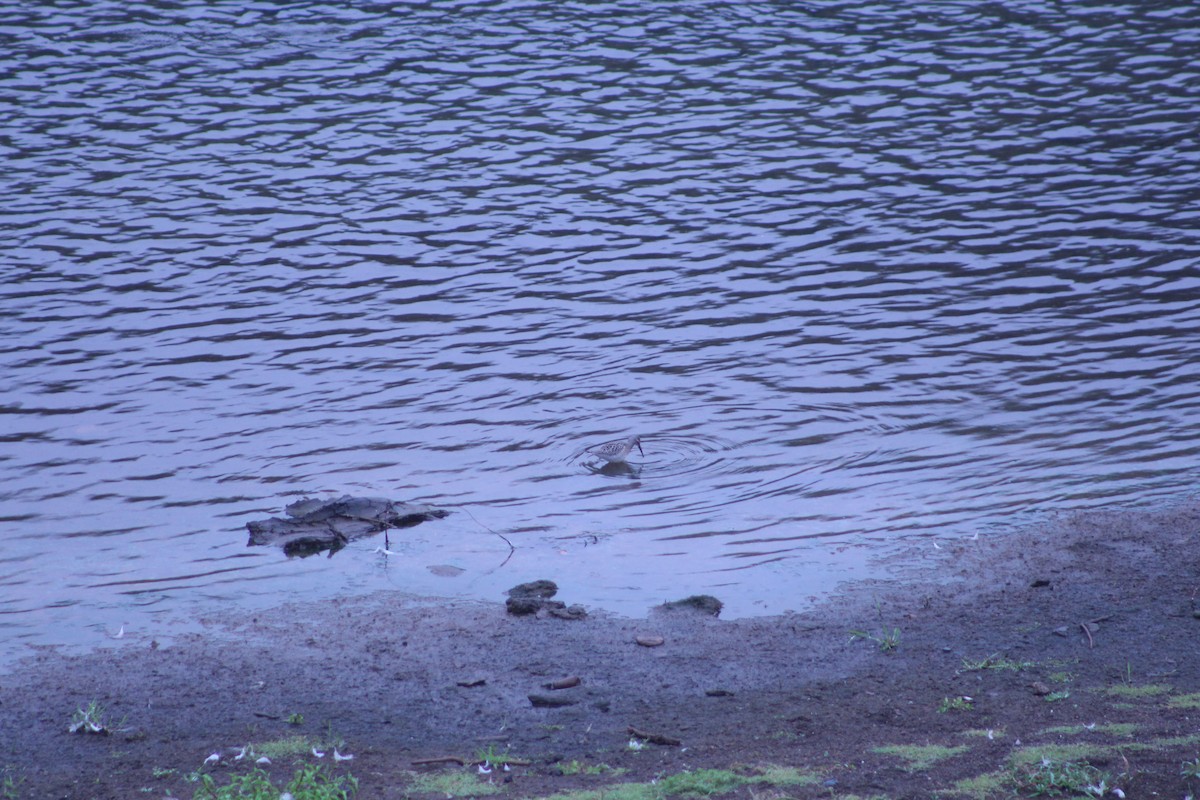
column 702, row 603
column 542, row 588
column 318, row 525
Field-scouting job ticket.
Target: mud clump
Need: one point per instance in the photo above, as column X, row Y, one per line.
column 534, row 598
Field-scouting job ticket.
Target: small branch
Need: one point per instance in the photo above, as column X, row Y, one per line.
column 424, row 762
column 654, row 738
column 511, row 549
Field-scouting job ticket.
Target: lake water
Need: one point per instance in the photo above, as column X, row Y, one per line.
column 862, row 275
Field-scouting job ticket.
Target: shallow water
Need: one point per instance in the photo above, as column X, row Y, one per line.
column 857, row 273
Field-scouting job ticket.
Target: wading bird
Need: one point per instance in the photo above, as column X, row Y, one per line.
column 615, row 452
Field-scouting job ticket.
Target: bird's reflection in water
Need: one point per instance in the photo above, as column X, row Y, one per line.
column 614, row 469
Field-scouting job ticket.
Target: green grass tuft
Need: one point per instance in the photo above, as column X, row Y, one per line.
column 1049, row 778
column 311, row 782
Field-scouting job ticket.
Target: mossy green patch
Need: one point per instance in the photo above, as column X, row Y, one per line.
column 920, row 757
column 786, row 776
column 695, row 784
column 1131, row 692
column 1191, row 701
column 1028, row 756
column 701, row 783
column 619, row 791
column 584, row 768
column 1122, row 729
column 1190, row 740
column 984, row 733
column 298, row 745
column 452, row 784
column 980, row 787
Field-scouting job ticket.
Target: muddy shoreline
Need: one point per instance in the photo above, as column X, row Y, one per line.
column 1081, row 607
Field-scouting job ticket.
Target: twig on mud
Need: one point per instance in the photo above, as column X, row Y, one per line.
column 428, row 762
column 654, row 738
column 1088, row 630
column 1091, row 641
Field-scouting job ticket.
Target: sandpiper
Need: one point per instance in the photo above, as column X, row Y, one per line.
column 616, row 451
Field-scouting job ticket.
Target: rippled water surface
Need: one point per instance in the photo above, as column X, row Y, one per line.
column 857, row 273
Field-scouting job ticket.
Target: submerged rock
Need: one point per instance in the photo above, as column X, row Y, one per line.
column 318, row 525
column 541, row 588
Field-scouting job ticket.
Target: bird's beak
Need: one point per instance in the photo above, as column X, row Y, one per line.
column 640, row 450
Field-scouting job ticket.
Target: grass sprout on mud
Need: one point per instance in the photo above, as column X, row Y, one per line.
column 996, row 662
column 489, row 758
column 961, row 703
column 884, row 640
column 92, row 719
column 10, row 784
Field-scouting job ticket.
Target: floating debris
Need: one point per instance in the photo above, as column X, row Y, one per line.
column 315, row 526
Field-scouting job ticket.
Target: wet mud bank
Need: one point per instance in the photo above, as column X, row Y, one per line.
column 1081, row 634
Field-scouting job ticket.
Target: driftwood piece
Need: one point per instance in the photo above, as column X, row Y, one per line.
column 313, row 526
column 425, row 762
column 563, row 683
